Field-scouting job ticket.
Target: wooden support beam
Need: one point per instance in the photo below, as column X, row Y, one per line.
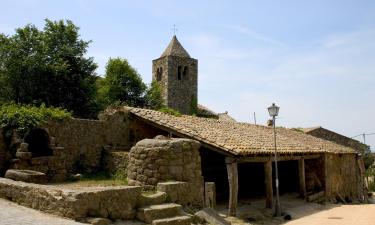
column 279, row 158
column 268, row 183
column 233, row 185
column 302, row 177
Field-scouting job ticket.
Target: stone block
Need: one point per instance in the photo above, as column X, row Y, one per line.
column 29, row 176
column 116, row 202
column 210, row 195
column 24, row 155
column 211, row 216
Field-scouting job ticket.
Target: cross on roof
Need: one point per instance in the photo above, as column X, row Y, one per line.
column 174, row 29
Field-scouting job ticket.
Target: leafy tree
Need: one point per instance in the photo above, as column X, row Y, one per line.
column 153, row 96
column 48, row 66
column 122, row 84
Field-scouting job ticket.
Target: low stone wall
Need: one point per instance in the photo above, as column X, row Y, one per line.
column 342, row 176
column 157, row 160
column 4, row 156
column 117, row 162
column 118, row 202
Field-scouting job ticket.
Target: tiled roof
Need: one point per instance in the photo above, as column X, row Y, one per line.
column 205, row 112
column 308, row 129
column 175, row 49
column 239, row 138
column 226, row 117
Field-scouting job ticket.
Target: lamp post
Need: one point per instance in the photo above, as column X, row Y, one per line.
column 273, row 110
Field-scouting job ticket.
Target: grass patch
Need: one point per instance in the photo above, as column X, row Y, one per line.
column 100, row 179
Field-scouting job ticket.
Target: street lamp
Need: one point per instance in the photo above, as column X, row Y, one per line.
column 273, row 110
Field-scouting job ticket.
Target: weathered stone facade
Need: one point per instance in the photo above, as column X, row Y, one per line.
column 83, row 146
column 4, row 154
column 157, row 160
column 177, row 75
column 342, row 176
column 320, row 132
column 107, row 202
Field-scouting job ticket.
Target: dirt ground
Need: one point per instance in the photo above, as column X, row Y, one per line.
column 253, row 212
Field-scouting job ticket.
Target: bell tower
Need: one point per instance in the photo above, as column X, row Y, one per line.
column 177, row 75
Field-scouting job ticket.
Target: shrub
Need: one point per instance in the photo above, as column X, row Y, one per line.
column 170, row 111
column 23, row 118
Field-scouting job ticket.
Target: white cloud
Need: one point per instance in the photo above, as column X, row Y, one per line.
column 255, row 35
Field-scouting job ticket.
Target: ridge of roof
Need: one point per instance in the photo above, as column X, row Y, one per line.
column 175, row 48
column 308, row 129
column 240, row 138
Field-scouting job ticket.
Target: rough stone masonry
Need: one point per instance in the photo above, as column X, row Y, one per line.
column 157, row 160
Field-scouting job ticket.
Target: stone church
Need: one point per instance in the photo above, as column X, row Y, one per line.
column 177, row 74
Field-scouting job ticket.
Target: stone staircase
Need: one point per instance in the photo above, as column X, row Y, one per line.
column 154, row 210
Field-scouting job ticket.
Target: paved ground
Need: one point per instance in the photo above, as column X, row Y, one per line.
column 306, row 214
column 340, row 215
column 13, row 214
column 253, row 212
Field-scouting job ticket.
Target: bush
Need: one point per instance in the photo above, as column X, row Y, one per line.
column 170, row 111
column 23, row 118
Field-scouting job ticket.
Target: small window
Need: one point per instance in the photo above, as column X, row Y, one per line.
column 179, row 72
column 159, row 74
column 185, row 74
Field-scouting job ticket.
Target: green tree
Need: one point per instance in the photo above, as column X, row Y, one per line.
column 122, row 84
column 153, row 96
column 49, row 66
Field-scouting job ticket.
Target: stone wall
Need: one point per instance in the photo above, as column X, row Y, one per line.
column 157, row 160
column 177, row 93
column 342, row 176
column 337, row 138
column 86, row 146
column 4, row 155
column 108, row 202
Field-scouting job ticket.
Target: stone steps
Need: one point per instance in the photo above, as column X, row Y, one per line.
column 155, row 212
column 177, row 220
column 152, row 199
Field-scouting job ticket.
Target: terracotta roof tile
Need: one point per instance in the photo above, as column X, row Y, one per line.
column 240, row 138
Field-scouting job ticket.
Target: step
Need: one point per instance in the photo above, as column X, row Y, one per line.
column 152, row 199
column 178, row 220
column 154, row 212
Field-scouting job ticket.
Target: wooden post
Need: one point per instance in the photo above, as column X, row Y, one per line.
column 233, row 185
column 302, row 178
column 268, row 183
column 210, row 195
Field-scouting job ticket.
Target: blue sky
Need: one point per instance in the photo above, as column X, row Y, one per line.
column 315, row 59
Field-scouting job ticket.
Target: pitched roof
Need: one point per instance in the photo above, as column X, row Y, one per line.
column 175, row 49
column 205, row 112
column 226, row 117
column 309, row 129
column 239, row 138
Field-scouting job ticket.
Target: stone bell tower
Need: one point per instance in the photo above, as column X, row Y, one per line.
column 177, row 75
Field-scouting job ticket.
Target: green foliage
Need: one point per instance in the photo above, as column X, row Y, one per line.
column 103, row 179
column 120, row 174
column 298, row 129
column 122, row 83
column 194, row 105
column 370, row 173
column 48, row 66
column 170, row 111
column 153, row 96
column 23, row 118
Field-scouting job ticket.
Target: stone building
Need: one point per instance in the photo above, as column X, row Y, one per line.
column 237, row 157
column 329, row 135
column 177, row 74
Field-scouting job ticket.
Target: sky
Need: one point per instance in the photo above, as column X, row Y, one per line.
column 314, row 59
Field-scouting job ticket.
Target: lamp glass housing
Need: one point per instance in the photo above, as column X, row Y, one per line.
column 273, row 110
